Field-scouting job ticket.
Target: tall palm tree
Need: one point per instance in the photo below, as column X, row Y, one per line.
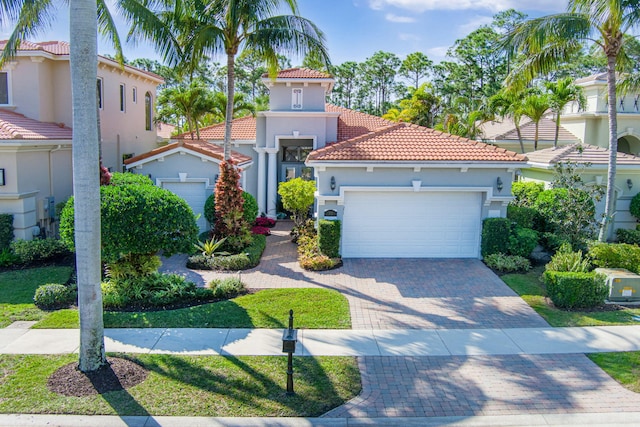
column 562, row 93
column 508, row 103
column 191, row 102
column 86, row 19
column 241, row 107
column 229, row 26
column 548, row 41
column 534, row 107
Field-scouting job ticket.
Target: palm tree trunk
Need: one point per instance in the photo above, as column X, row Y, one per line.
column 535, row 139
column 86, row 185
column 229, row 112
column 555, row 141
column 520, row 137
column 613, row 149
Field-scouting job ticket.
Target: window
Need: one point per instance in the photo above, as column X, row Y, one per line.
column 99, row 91
column 148, row 116
column 4, row 88
column 122, row 97
column 295, row 153
column 296, row 99
column 134, row 95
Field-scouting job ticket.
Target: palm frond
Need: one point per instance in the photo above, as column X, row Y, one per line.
column 107, row 28
column 34, row 16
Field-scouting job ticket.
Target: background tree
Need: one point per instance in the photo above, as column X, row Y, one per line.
column 562, row 93
column 415, row 67
column 508, row 103
column 534, row 106
column 346, row 76
column 549, row 41
column 379, row 72
column 241, row 107
column 189, row 103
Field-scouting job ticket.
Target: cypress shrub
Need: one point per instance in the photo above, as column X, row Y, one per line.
column 495, row 236
column 329, row 237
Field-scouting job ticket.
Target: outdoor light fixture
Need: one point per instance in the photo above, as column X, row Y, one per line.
column 332, row 183
column 499, row 184
column 629, row 183
column 1, row 176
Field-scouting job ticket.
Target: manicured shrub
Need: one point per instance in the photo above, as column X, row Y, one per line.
column 506, row 263
column 524, row 216
column 329, row 238
column 6, row 230
column 153, row 290
column 39, row 250
column 263, row 221
column 265, row 231
column 522, row 241
column 634, row 207
column 250, row 207
column 8, row 258
column 133, row 265
column 210, row 209
column 495, row 236
column 310, row 257
column 616, row 255
column 571, row 290
column 138, row 219
column 526, row 193
column 227, row 288
column 567, row 260
column 128, row 178
column 53, row 296
column 297, row 196
column 249, row 258
column 631, row 237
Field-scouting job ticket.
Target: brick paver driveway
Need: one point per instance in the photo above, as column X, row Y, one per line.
column 395, row 293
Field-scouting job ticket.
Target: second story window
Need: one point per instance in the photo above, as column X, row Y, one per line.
column 122, row 97
column 134, row 95
column 4, row 88
column 148, row 111
column 99, row 92
column 296, row 99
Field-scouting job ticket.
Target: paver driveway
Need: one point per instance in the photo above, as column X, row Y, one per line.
column 394, row 293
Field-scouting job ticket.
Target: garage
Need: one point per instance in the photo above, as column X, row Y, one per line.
column 195, row 194
column 393, row 224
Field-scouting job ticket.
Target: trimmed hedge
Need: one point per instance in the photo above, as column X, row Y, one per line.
column 39, row 250
column 6, row 230
column 507, row 263
column 631, row 237
column 526, row 192
column 249, row 258
column 570, row 290
column 523, row 216
column 495, row 236
column 128, row 178
column 522, row 241
column 329, row 237
column 616, row 255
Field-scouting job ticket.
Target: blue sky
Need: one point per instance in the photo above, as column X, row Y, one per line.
column 355, row 29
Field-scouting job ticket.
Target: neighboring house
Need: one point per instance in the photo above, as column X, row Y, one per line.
column 35, row 134
column 400, row 190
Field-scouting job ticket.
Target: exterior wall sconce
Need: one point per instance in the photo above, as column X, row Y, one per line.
column 332, row 183
column 499, row 184
column 629, row 183
column 1, row 177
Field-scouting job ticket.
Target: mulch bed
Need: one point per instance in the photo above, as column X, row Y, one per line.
column 118, row 374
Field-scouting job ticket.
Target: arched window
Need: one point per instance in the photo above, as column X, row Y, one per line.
column 148, row 111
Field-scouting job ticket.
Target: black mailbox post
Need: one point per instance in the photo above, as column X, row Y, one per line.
column 289, row 339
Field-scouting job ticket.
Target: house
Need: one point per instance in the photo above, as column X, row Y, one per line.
column 35, row 133
column 400, row 190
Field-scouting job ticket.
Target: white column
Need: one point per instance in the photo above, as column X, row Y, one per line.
column 272, row 182
column 262, row 188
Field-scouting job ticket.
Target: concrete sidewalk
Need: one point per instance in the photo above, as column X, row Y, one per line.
column 334, row 342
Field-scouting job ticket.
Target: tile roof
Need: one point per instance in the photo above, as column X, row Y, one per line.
column 16, row 126
column 199, row 146
column 300, row 73
column 52, row 47
column 242, row 129
column 505, row 130
column 580, row 153
column 354, row 123
column 406, row 142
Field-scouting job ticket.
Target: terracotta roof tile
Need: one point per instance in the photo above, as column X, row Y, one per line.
column 16, row 126
column 243, row 129
column 580, row 153
column 300, row 73
column 505, row 130
column 353, row 123
column 405, row 142
column 199, row 146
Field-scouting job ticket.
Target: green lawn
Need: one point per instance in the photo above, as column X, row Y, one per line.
column 531, row 289
column 18, row 287
column 269, row 308
column 189, row 386
column 623, row 367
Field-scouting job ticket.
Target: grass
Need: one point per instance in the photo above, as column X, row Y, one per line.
column 623, row 367
column 188, row 386
column 269, row 308
column 17, row 288
column 531, row 289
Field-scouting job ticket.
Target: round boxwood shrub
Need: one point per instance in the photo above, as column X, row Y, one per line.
column 250, row 207
column 53, row 296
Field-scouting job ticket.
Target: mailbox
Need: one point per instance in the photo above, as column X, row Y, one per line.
column 289, row 339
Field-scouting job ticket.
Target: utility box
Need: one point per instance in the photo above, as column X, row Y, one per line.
column 624, row 286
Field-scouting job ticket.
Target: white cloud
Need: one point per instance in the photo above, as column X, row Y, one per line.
column 399, row 19
column 475, row 23
column 406, row 37
column 420, row 6
column 438, row 53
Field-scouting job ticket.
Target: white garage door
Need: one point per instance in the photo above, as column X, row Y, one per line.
column 195, row 194
column 411, row 225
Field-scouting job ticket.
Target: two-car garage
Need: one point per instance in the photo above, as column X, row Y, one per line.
column 407, row 224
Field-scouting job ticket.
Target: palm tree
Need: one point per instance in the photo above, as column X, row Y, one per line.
column 241, row 107
column 561, row 93
column 549, row 41
column 508, row 103
column 86, row 18
column 229, row 26
column 191, row 102
column 534, row 107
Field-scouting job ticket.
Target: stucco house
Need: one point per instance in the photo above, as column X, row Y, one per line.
column 400, row 190
column 35, row 133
